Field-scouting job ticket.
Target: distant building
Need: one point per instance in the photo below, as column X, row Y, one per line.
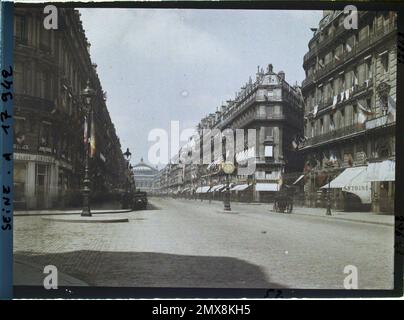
column 145, row 176
column 350, row 94
column 51, row 68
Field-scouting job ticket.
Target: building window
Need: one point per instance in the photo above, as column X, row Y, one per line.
column 45, row 135
column 270, row 111
column 41, row 178
column 332, row 124
column 42, row 84
column 354, row 114
column 45, row 39
column 19, row 131
column 369, row 73
column 269, row 151
column 321, row 126
column 369, row 103
column 384, row 59
column 342, row 118
column 20, row 29
column 269, row 133
column 19, row 77
column 312, row 130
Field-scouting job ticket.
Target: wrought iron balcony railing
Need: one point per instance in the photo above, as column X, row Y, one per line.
column 335, row 134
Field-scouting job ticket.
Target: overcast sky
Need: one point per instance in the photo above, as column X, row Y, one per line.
column 164, row 65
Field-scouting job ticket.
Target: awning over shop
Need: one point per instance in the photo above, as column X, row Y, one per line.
column 298, row 179
column 202, row 189
column 239, row 187
column 266, row 187
column 381, row 171
column 353, row 180
column 344, row 178
column 217, row 188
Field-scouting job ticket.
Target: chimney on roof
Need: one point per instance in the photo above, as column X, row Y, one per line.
column 281, row 75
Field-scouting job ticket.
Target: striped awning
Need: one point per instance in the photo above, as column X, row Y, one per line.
column 240, row 187
column 202, row 189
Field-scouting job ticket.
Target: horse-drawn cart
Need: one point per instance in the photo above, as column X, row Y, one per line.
column 284, row 200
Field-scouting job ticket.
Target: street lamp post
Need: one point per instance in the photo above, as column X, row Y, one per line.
column 128, row 156
column 228, row 169
column 226, row 203
column 87, row 95
column 328, row 213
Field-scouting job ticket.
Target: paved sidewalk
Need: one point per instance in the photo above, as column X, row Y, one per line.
column 31, row 274
column 65, row 212
column 364, row 217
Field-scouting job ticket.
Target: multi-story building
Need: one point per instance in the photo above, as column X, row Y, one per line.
column 274, row 109
column 350, row 94
column 144, row 175
column 51, row 68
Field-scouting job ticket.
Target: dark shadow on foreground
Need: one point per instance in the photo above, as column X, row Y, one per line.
column 147, row 269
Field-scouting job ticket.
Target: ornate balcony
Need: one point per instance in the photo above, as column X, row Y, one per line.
column 335, row 135
column 33, row 103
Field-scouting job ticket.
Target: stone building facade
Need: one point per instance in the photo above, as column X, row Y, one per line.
column 51, row 68
column 270, row 106
column 144, row 176
column 350, row 94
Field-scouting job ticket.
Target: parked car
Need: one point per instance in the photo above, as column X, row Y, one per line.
column 134, row 200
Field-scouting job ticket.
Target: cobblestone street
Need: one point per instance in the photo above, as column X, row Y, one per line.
column 188, row 243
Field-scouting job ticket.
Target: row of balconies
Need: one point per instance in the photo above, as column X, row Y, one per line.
column 356, row 50
column 334, row 135
column 329, row 39
column 347, row 131
column 358, row 90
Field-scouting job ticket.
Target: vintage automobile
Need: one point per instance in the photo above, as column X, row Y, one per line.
column 139, row 201
column 136, row 200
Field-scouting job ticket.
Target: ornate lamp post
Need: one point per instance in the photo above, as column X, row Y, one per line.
column 328, row 213
column 87, row 95
column 228, row 169
column 128, row 156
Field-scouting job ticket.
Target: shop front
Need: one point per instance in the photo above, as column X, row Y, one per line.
column 354, row 187
column 36, row 181
column 382, row 177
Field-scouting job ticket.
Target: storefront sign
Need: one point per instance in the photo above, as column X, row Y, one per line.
column 45, row 149
column 41, row 158
column 21, row 147
column 353, row 188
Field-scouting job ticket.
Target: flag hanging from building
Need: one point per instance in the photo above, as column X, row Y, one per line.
column 315, row 110
column 294, row 144
column 85, row 136
column 92, row 137
column 334, row 101
column 391, row 105
column 363, row 113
